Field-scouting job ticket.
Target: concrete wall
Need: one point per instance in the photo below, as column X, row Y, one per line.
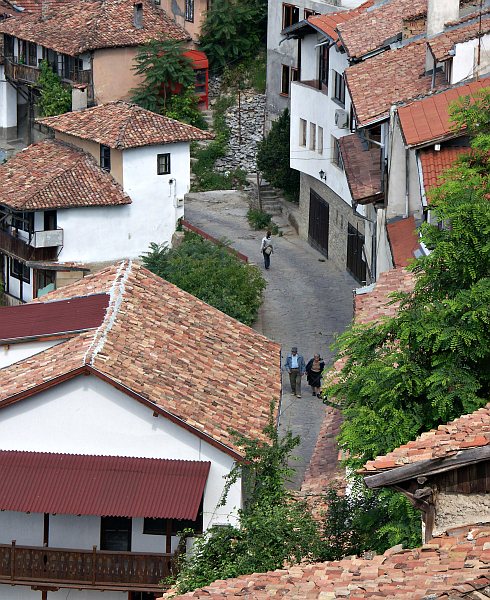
column 88, row 416
column 112, row 75
column 457, row 510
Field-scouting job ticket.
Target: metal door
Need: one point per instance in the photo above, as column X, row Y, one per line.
column 318, row 224
column 356, row 264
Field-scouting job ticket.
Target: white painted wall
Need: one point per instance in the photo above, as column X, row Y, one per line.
column 8, row 102
column 464, row 63
column 27, row 288
column 314, row 106
column 19, row 592
column 99, row 234
column 88, row 416
column 12, row 353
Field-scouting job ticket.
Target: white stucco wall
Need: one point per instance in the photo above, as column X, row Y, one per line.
column 8, row 103
column 12, row 353
column 27, row 288
column 315, row 106
column 18, row 592
column 464, row 64
column 88, row 416
column 98, row 234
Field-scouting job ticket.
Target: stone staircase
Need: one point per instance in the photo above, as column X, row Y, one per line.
column 270, row 199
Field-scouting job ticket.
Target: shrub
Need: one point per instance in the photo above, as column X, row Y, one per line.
column 211, row 273
column 185, row 107
column 259, row 219
column 54, row 98
column 273, row 158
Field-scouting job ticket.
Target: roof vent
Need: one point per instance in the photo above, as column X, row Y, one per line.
column 138, row 15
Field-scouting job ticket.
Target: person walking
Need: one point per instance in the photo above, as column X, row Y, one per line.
column 314, row 369
column 267, row 249
column 295, row 366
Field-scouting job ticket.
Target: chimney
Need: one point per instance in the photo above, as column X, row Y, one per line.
column 440, row 12
column 138, row 15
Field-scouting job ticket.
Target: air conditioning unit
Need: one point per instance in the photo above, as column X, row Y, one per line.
column 341, row 118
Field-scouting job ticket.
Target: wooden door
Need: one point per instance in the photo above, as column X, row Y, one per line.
column 356, row 265
column 318, row 223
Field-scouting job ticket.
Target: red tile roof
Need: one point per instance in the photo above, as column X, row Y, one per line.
column 328, row 23
column 403, row 240
column 362, row 169
column 186, row 358
column 442, row 44
column 427, row 119
column 74, row 484
column 122, row 125
column 434, row 163
column 403, row 79
column 371, row 29
column 51, row 174
column 76, row 27
column 469, row 431
column 459, row 561
column 52, row 318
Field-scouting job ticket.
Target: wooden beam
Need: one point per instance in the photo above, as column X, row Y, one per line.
column 428, row 467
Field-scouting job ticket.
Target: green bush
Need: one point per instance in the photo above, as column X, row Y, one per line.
column 184, row 107
column 259, row 219
column 273, row 158
column 54, row 98
column 211, row 273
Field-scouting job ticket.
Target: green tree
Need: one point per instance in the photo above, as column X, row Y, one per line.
column 184, row 107
column 211, row 273
column 274, row 527
column 431, row 362
column 54, row 98
column 163, row 68
column 233, row 31
column 273, row 158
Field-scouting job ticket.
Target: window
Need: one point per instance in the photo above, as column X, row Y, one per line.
column 105, row 157
column 339, row 88
column 309, row 13
column 50, row 220
column 302, row 132
column 288, row 74
column 138, row 15
column 336, row 155
column 115, row 533
column 324, row 55
column 23, row 221
column 189, row 10
column 163, row 164
column 290, row 15
column 31, row 54
column 320, row 140
column 312, row 136
column 9, row 46
column 159, row 526
column 22, row 46
column 19, row 270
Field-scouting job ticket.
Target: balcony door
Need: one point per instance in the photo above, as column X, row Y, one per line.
column 115, row 534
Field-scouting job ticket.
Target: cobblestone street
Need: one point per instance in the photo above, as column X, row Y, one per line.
column 307, row 301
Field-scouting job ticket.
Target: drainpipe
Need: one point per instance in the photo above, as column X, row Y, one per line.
column 406, row 182
column 374, row 246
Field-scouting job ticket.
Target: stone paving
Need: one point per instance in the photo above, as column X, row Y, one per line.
column 307, row 301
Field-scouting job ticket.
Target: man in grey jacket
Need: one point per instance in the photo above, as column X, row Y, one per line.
column 295, row 366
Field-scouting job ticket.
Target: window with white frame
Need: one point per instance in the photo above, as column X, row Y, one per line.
column 20, row 270
column 302, row 132
column 312, row 145
column 320, row 140
column 336, row 154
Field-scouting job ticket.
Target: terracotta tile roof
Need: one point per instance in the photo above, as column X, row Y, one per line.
column 427, row 119
column 403, row 240
column 122, row 125
column 187, row 358
column 442, row 44
column 51, row 174
column 7, row 9
column 459, row 561
column 76, row 27
column 468, row 431
column 362, row 169
column 435, row 163
column 383, row 21
column 328, row 23
column 403, row 79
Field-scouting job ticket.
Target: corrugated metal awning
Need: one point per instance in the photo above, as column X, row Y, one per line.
column 101, row 485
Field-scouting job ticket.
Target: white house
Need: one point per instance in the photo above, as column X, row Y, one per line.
column 117, row 399
column 357, row 66
column 111, row 182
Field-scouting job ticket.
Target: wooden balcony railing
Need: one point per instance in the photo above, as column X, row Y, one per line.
column 15, row 246
column 28, row 74
column 85, row 569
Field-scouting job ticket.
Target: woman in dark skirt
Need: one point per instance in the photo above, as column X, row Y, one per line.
column 314, row 370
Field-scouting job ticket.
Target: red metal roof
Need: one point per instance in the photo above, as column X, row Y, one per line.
column 427, row 120
column 52, row 318
column 118, row 486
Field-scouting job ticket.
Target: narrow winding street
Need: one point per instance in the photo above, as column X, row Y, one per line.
column 306, row 303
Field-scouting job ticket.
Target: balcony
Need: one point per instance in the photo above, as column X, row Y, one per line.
column 40, row 246
column 315, row 84
column 83, row 569
column 23, row 73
